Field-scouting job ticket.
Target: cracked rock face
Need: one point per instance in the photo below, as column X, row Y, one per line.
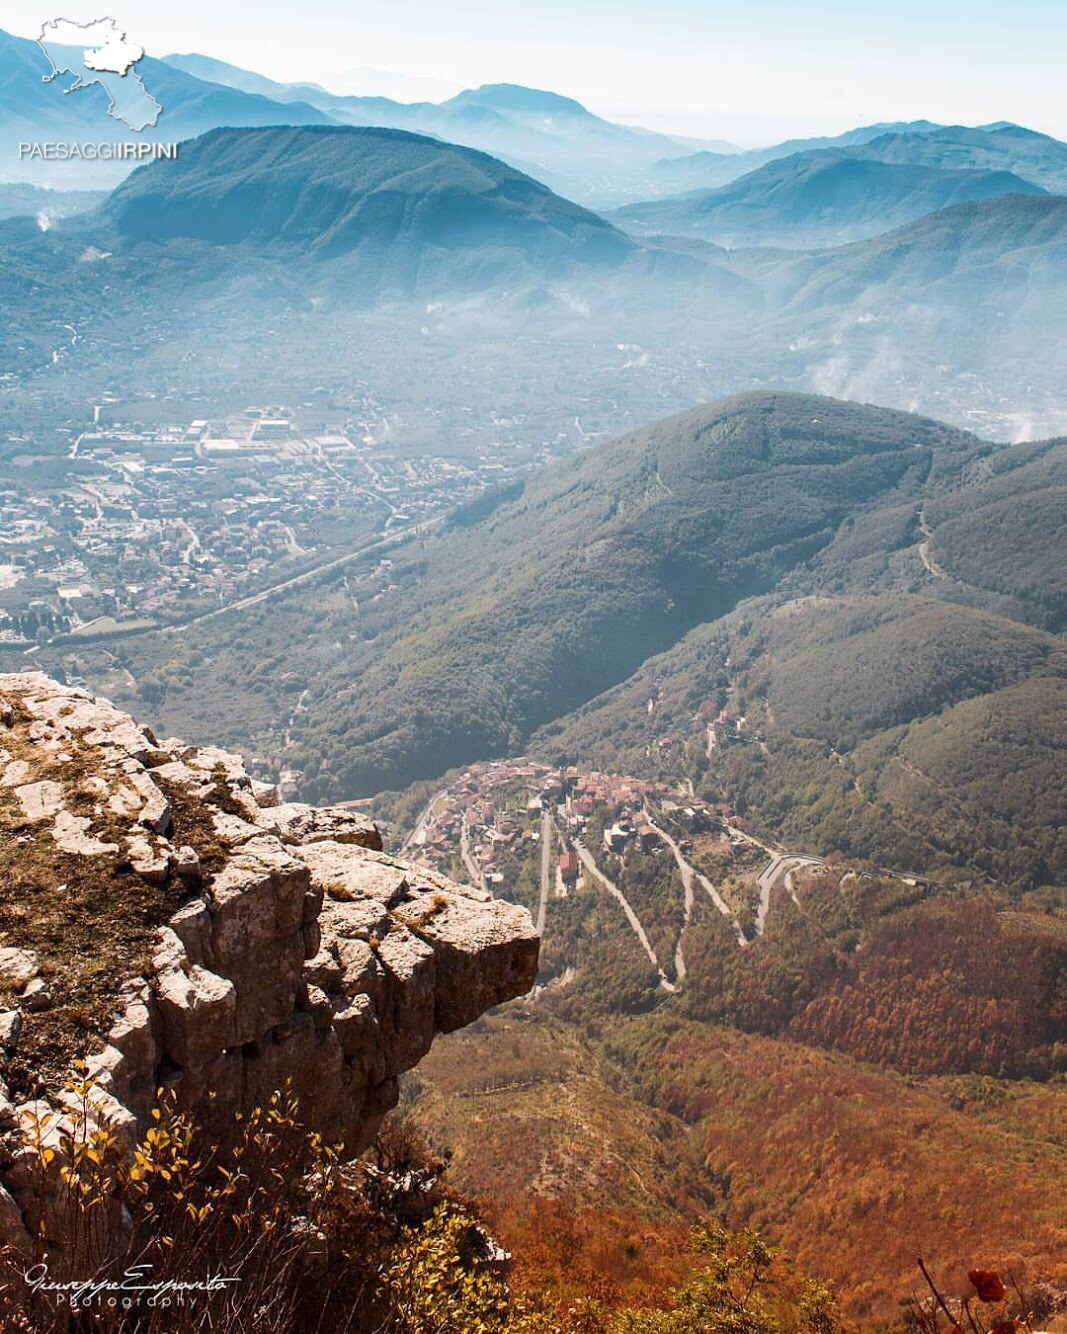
column 281, row 943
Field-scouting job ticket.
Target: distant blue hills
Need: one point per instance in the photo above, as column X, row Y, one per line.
column 557, row 141
column 827, row 192
column 878, row 228
column 550, row 136
column 819, row 198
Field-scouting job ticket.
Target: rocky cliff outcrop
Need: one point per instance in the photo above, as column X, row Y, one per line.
column 163, row 915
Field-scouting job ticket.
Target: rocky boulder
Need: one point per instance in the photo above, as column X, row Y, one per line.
column 217, row 943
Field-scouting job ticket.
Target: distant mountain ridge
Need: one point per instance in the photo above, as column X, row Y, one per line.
column 199, row 93
column 821, row 198
column 364, row 217
column 544, row 134
column 828, row 192
column 1038, row 158
column 554, row 138
column 704, row 170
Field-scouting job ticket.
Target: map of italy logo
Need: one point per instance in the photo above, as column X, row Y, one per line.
column 101, row 55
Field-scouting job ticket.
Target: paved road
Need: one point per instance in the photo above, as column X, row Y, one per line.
column 546, row 863
column 924, row 549
column 746, row 837
column 588, row 861
column 308, row 576
column 296, row 581
column 473, row 869
column 690, row 874
column 429, row 814
column 686, row 872
column 780, row 865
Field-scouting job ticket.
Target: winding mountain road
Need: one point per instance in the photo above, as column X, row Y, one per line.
column 589, row 862
column 932, row 566
column 690, row 874
column 781, row 865
column 546, row 866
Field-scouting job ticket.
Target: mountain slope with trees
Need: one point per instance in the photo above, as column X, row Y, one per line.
column 328, row 190
column 600, row 563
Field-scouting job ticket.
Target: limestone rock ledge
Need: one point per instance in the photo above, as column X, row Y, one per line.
column 292, row 947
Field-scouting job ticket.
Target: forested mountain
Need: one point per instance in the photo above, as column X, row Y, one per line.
column 357, row 217
column 953, row 248
column 604, row 561
column 914, row 710
column 909, row 730
column 328, row 192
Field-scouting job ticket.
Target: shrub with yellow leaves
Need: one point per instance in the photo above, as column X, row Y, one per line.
column 229, row 1227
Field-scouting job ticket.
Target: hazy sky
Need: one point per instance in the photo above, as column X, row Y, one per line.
column 752, row 72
